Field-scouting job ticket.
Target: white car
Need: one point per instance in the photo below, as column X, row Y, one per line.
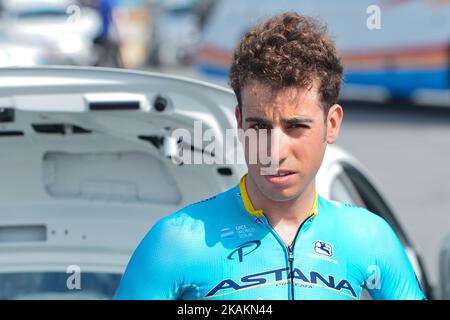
column 15, row 51
column 86, row 158
column 63, row 29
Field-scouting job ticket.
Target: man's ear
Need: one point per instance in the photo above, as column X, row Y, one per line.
column 334, row 121
column 238, row 115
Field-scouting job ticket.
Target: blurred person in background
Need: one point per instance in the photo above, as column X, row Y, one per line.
column 108, row 39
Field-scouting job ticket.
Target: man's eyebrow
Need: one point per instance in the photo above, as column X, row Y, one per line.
column 297, row 120
column 257, row 119
column 288, row 121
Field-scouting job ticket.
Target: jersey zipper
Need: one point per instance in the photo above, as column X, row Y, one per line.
column 290, row 251
column 291, row 258
column 291, row 269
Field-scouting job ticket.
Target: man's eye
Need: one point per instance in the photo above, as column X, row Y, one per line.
column 259, row 126
column 299, row 126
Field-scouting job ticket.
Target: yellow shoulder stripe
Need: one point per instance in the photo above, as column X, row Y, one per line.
column 246, row 199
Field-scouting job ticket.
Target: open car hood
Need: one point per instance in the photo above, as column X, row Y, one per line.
column 87, row 152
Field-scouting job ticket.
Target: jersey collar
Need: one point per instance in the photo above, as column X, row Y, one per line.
column 258, row 212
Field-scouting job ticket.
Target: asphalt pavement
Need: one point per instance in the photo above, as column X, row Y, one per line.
column 407, row 150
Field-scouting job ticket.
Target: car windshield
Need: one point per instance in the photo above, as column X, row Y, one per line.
column 54, row 285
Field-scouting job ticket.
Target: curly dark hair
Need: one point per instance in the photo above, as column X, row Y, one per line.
column 288, row 50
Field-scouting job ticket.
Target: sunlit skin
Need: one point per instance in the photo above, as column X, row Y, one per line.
column 299, row 132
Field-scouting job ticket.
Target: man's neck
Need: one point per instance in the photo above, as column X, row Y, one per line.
column 292, row 212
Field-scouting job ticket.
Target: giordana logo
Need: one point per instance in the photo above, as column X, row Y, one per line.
column 323, row 248
column 244, row 249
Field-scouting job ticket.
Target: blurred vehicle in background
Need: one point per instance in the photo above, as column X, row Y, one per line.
column 87, row 169
column 406, row 58
column 16, row 51
column 175, row 32
column 59, row 31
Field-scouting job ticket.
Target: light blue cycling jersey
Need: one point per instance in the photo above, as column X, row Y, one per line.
column 222, row 248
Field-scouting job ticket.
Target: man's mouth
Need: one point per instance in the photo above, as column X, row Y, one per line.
column 282, row 174
column 280, row 177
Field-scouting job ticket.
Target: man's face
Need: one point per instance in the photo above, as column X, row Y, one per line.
column 297, row 134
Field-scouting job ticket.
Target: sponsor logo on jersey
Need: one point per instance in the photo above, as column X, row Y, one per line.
column 226, row 233
column 244, row 249
column 323, row 248
column 257, row 279
column 244, row 231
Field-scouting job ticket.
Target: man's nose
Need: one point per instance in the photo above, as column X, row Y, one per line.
column 279, row 146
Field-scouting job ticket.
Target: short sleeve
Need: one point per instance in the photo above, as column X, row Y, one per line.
column 391, row 276
column 151, row 273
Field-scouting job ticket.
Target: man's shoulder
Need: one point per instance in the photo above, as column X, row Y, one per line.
column 366, row 234
column 197, row 214
column 355, row 219
column 209, row 205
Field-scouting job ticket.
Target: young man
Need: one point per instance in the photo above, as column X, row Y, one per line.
column 272, row 236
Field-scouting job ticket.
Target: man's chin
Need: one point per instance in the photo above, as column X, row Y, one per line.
column 282, row 193
column 277, row 197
